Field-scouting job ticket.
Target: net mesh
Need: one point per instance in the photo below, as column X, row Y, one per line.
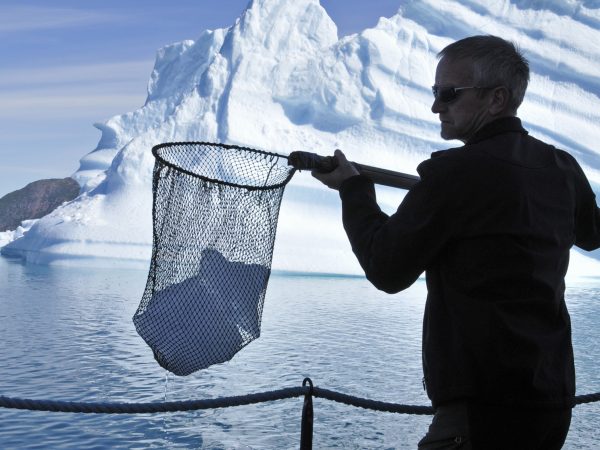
column 215, row 215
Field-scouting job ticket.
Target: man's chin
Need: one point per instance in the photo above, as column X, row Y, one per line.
column 447, row 135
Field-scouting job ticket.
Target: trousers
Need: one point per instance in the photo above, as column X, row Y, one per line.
column 473, row 426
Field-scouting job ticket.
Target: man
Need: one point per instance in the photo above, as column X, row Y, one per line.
column 491, row 223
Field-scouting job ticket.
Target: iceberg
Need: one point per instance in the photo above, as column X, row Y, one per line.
column 281, row 79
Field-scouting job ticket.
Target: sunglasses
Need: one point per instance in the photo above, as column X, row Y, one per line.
column 449, row 94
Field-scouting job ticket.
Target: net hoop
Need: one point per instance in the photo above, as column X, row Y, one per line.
column 160, row 153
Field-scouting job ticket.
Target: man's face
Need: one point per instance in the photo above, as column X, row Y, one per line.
column 468, row 112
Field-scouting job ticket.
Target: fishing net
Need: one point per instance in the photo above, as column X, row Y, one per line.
column 215, row 215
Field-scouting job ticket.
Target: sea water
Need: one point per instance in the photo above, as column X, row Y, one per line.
column 66, row 334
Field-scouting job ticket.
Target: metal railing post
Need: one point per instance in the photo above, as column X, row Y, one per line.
column 306, row 430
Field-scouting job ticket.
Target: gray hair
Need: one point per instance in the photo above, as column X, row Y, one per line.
column 496, row 62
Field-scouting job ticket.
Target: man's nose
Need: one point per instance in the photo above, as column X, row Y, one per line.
column 437, row 106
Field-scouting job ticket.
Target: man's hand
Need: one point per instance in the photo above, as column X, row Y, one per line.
column 335, row 178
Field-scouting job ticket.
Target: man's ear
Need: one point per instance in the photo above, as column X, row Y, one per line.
column 499, row 100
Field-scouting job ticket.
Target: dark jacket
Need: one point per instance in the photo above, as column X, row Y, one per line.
column 491, row 223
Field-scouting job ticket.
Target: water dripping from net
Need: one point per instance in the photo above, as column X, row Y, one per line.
column 166, row 385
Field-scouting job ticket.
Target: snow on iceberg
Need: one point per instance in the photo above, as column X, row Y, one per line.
column 280, row 79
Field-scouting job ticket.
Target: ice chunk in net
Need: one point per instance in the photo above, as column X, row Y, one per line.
column 205, row 319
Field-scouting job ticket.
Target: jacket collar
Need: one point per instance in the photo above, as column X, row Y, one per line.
column 498, row 126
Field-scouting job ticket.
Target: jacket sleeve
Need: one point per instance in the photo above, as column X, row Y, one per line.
column 394, row 250
column 587, row 214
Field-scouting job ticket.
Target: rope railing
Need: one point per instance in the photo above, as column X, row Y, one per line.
column 149, row 408
column 307, row 390
column 225, row 402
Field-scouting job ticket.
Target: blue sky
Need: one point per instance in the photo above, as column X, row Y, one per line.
column 67, row 64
